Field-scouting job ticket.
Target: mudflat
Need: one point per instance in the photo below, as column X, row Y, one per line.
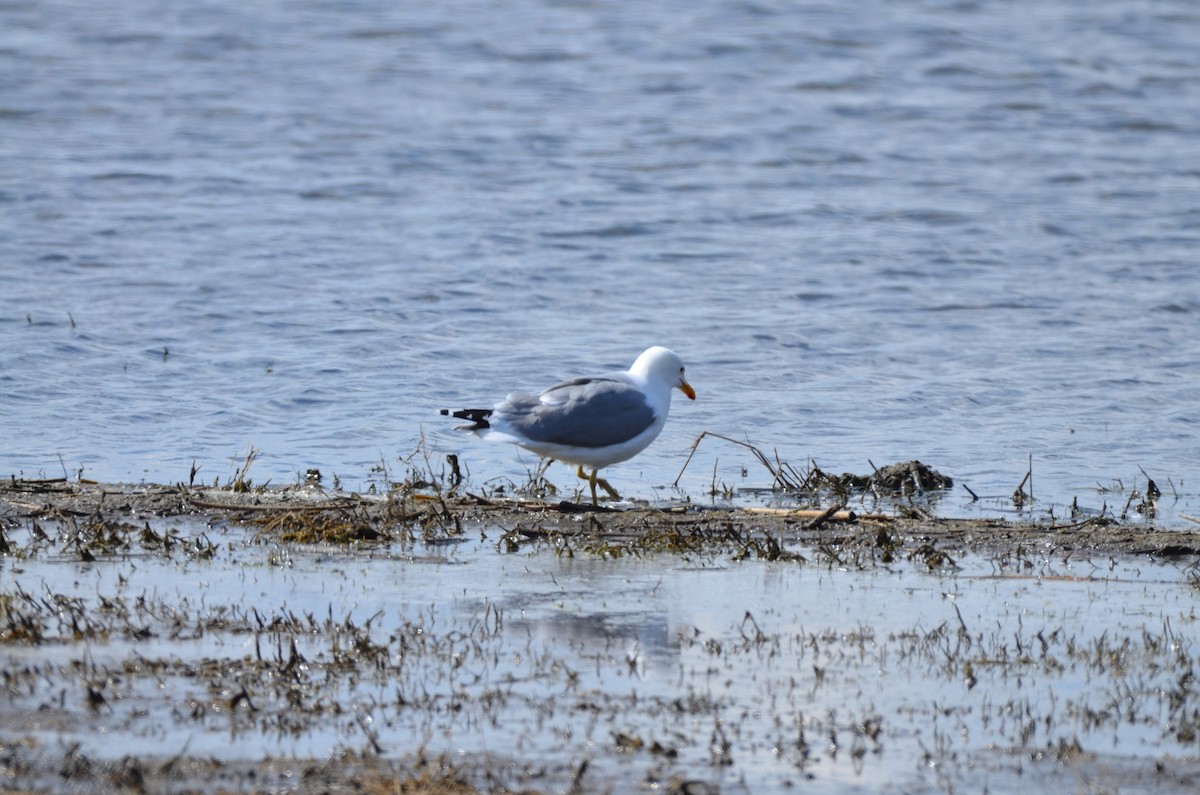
column 180, row 638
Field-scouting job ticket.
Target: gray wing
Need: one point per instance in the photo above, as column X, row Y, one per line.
column 585, row 412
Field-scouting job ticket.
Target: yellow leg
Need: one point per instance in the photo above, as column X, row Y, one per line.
column 604, row 484
column 590, row 479
column 593, row 480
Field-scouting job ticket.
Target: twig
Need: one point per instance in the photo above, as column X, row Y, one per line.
column 1076, row 525
column 1019, row 497
column 963, row 624
column 1128, row 502
column 825, row 516
column 839, row 514
column 282, row 507
column 777, row 473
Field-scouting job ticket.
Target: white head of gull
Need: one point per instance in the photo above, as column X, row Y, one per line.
column 591, row 422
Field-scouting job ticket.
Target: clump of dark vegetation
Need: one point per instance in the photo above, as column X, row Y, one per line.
column 910, row 477
column 812, row 485
column 316, row 526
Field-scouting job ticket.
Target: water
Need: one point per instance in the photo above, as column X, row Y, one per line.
column 958, row 232
column 748, row 675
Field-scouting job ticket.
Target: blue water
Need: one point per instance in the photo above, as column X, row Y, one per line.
column 959, row 232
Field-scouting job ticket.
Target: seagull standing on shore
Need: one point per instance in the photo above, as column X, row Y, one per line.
column 591, row 422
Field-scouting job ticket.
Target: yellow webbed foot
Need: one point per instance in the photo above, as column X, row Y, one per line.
column 593, row 481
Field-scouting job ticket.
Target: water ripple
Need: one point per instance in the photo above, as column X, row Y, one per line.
column 870, row 229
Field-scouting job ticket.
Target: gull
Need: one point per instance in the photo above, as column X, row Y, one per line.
column 593, row 422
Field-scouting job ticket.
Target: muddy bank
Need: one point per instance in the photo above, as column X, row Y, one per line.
column 312, row 514
column 176, row 639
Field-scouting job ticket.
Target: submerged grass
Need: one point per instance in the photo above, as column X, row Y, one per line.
column 390, row 687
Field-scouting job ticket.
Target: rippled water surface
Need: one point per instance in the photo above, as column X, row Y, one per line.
column 959, row 232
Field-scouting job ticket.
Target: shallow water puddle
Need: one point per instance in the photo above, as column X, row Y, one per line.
column 543, row 668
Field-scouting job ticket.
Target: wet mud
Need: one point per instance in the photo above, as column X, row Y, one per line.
column 184, row 639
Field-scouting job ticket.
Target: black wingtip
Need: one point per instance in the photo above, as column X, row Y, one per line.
column 477, row 418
